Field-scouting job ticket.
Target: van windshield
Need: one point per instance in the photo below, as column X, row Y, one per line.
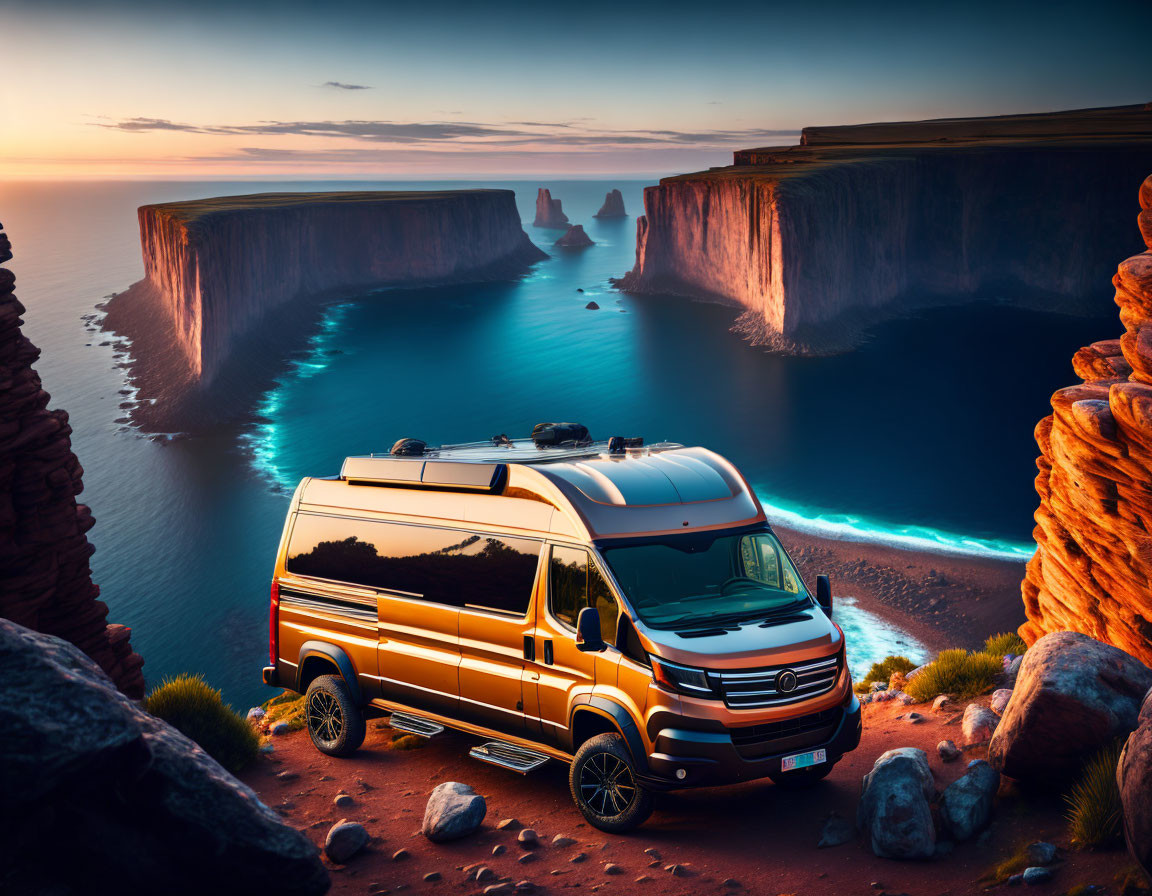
column 690, row 580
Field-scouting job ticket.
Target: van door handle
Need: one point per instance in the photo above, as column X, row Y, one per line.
column 529, row 648
column 548, row 652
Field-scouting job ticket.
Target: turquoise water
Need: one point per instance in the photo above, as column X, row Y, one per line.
column 922, row 437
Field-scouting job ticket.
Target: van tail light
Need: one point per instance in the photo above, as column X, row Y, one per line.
column 274, row 624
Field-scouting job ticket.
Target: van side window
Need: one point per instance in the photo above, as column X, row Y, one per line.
column 575, row 583
column 445, row 566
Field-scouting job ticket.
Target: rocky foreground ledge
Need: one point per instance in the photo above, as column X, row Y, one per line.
column 229, row 279
column 815, row 242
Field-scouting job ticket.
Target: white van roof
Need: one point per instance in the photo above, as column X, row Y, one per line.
column 643, row 490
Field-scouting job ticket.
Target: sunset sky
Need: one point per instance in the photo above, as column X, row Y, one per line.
column 445, row 89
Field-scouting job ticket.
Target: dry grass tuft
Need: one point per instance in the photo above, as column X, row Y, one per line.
column 195, row 708
column 1094, row 809
column 956, row 672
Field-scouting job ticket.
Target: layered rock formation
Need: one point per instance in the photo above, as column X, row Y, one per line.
column 45, row 580
column 574, row 238
column 1092, row 571
column 548, row 211
column 613, row 206
column 818, row 240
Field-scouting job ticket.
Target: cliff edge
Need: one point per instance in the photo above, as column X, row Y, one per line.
column 1092, row 571
column 216, row 269
column 45, row 580
column 855, row 224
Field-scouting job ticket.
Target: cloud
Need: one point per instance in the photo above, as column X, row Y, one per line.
column 340, row 85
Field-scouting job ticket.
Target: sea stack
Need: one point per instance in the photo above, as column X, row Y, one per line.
column 45, row 580
column 548, row 211
column 866, row 222
column 229, row 269
column 1092, row 570
column 575, row 238
column 613, row 206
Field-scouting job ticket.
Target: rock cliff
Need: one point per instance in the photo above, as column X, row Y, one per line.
column 548, row 211
column 816, row 241
column 45, row 580
column 613, row 206
column 1092, row 571
column 216, row 268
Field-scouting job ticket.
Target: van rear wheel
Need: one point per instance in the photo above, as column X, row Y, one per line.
column 335, row 722
column 603, row 784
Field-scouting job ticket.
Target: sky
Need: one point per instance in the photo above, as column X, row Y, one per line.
column 211, row 89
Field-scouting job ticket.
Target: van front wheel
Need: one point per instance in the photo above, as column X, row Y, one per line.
column 335, row 722
column 603, row 783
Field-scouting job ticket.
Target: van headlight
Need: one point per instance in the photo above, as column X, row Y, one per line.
column 684, row 679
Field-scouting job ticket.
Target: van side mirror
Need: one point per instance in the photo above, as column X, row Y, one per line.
column 824, row 594
column 588, row 637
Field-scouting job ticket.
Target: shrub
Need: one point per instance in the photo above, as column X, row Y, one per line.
column 883, row 670
column 1094, row 810
column 195, row 708
column 956, row 672
column 1005, row 643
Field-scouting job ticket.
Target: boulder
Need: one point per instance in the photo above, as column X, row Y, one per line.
column 613, row 206
column 454, row 810
column 966, row 805
column 1134, row 778
column 548, row 211
column 1000, row 700
column 1041, row 853
column 131, row 800
column 978, row 724
column 344, row 840
column 894, row 812
column 1074, row 695
column 574, row 238
column 948, row 751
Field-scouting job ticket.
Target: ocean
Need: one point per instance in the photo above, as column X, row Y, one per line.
column 921, row 437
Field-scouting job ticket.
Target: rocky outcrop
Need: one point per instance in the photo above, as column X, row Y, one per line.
column 548, row 211
column 96, row 795
column 816, row 241
column 1092, row 571
column 216, row 269
column 613, row 206
column 45, row 580
column 1073, row 696
column 575, row 238
column 1134, row 779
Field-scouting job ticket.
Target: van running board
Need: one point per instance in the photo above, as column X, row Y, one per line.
column 401, row 721
column 508, row 756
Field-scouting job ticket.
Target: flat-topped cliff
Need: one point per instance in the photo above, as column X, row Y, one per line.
column 816, row 241
column 1092, row 571
column 216, row 269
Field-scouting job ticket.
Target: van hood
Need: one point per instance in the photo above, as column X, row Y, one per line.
column 810, row 634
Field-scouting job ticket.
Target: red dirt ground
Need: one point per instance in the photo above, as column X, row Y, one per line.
column 761, row 837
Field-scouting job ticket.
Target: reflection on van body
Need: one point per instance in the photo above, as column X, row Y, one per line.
column 623, row 609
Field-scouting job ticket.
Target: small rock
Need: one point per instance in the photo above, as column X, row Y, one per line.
column 940, row 702
column 527, row 857
column 948, row 751
column 343, row 800
column 612, row 868
column 1015, row 880
column 454, row 810
column 400, row 855
column 525, row 886
column 914, row 718
column 431, row 876
column 676, row 870
column 654, row 853
column 1036, row 875
column 286, row 775
column 579, row 857
column 643, row 879
column 837, row 831
column 1041, row 853
column 255, row 714
column 344, row 840
column 508, row 824
column 906, row 699
column 267, row 749
column 498, row 889
column 562, row 840
column 879, row 686
column 484, row 873
column 528, row 839
column 978, row 724
column 1000, row 700
column 731, row 882
column 966, row 805
column 280, row 728
column 499, row 849
column 592, row 306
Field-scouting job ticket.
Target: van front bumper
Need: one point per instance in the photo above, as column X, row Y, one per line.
column 710, row 757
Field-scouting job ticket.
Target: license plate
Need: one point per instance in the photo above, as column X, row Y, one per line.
column 803, row 760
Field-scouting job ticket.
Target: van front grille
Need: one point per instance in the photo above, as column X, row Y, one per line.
column 779, row 685
column 754, row 741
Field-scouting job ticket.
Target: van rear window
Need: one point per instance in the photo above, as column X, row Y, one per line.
column 445, row 566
